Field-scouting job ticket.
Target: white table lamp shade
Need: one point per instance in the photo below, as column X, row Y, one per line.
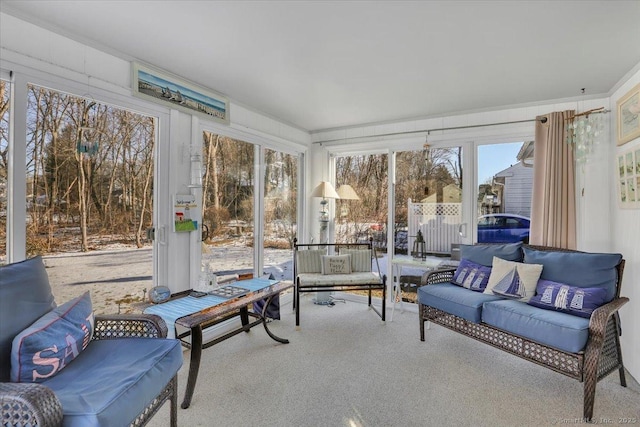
column 325, row 190
column 346, row 192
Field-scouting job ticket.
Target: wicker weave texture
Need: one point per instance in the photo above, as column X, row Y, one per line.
column 170, row 392
column 27, row 404
column 129, row 325
column 566, row 363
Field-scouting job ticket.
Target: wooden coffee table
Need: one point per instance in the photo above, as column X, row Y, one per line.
column 198, row 319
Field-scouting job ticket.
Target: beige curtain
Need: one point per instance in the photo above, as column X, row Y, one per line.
column 553, row 211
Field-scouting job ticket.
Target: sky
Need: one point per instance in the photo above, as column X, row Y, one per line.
column 495, row 158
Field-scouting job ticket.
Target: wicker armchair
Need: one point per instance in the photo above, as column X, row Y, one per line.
column 36, row 404
column 601, row 356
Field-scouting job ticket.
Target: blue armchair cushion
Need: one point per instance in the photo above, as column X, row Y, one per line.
column 552, row 328
column 585, row 270
column 112, row 379
column 25, row 282
column 472, row 276
column 568, row 299
column 483, row 254
column 455, row 300
column 53, row 341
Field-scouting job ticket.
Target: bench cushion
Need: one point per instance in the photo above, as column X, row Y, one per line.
column 585, row 270
column 554, row 329
column 309, row 261
column 360, row 259
column 455, row 300
column 313, row 279
column 96, row 390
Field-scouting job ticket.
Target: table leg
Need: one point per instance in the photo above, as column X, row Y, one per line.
column 396, row 270
column 264, row 322
column 194, row 364
column 244, row 318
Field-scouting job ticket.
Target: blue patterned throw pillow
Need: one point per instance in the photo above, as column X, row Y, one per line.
column 568, row 299
column 471, row 275
column 52, row 341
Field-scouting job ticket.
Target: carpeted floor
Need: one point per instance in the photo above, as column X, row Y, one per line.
column 345, row 367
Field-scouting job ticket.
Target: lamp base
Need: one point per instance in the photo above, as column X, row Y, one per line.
column 322, row 298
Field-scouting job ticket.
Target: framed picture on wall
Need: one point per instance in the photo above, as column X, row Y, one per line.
column 165, row 88
column 629, row 116
column 628, row 178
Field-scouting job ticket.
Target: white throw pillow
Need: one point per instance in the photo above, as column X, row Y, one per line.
column 513, row 280
column 336, row 264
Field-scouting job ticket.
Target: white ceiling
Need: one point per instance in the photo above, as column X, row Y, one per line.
column 326, row 64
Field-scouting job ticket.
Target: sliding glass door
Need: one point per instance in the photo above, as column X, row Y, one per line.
column 429, row 212
column 505, row 185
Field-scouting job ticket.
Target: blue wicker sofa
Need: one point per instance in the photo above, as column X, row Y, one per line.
column 88, row 370
column 554, row 307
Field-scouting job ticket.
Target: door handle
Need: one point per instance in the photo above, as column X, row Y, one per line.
column 462, row 227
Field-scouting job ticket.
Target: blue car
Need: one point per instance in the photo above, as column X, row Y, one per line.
column 503, row 228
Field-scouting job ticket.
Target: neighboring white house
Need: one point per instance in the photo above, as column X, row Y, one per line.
column 517, row 183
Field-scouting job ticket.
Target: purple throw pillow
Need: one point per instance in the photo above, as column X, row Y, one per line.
column 471, row 275
column 568, row 299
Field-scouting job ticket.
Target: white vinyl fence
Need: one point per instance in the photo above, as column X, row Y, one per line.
column 439, row 223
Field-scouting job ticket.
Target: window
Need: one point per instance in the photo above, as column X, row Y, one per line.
column 5, row 102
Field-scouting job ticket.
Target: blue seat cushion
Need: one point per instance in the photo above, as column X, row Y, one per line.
column 581, row 269
column 554, row 329
column 111, row 381
column 455, row 300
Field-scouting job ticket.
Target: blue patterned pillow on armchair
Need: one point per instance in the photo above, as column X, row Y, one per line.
column 52, row 341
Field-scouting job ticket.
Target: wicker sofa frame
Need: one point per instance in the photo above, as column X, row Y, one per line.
column 601, row 356
column 37, row 405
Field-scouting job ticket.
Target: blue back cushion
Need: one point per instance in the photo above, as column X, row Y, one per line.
column 25, row 295
column 483, row 254
column 53, row 341
column 585, row 270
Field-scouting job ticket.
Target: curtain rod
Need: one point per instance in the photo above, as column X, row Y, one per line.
column 542, row 120
column 427, row 131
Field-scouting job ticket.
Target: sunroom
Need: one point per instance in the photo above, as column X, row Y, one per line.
column 400, row 107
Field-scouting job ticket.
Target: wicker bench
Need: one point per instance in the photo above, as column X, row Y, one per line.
column 601, row 356
column 309, row 277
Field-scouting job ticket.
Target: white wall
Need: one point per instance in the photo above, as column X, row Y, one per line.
column 39, row 56
column 625, row 233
